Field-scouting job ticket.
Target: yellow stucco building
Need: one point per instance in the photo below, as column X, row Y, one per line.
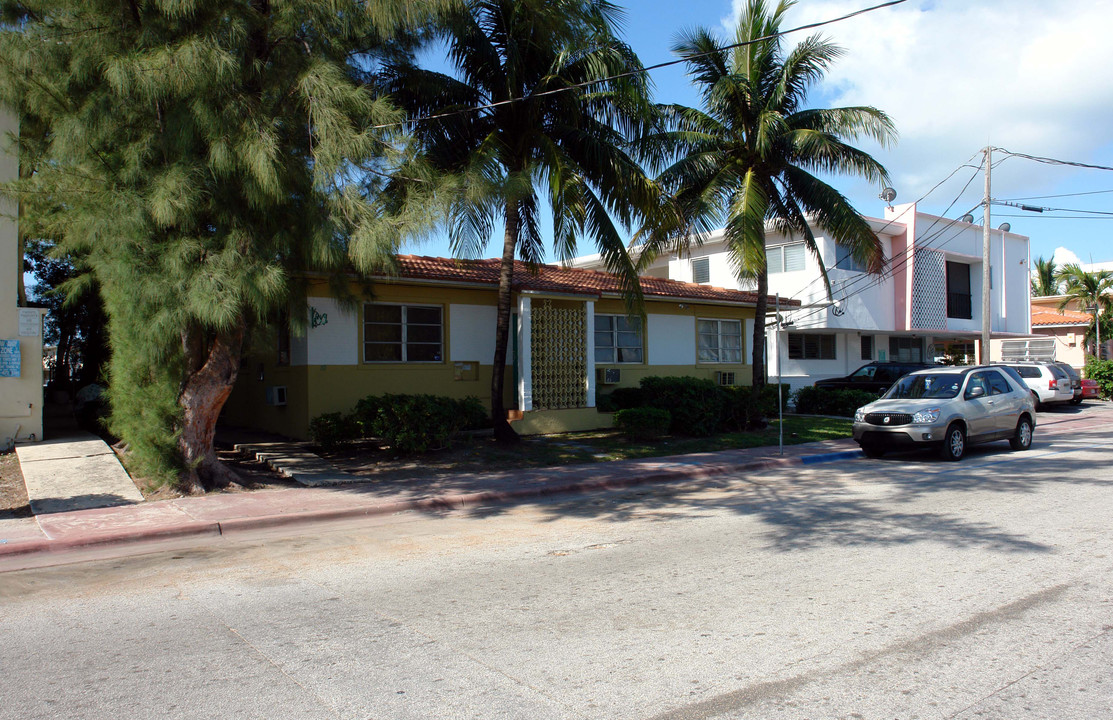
column 431, row 329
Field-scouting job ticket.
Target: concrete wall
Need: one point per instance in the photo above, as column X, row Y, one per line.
column 21, row 397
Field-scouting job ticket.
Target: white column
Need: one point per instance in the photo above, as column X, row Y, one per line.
column 589, row 308
column 525, row 362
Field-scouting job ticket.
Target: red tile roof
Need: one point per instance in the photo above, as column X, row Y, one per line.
column 1043, row 316
column 557, row 279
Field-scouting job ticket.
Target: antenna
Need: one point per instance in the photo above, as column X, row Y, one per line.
column 888, row 195
column 1004, row 227
column 967, row 218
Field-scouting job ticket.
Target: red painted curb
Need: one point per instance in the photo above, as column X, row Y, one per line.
column 113, row 538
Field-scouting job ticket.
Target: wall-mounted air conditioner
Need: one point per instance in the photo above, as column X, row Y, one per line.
column 608, row 376
column 276, row 395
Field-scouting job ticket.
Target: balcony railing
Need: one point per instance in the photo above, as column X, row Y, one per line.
column 959, row 306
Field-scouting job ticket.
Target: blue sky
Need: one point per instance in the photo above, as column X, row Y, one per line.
column 1026, row 75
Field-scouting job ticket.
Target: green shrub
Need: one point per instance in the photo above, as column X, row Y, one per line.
column 473, row 413
column 416, row 423
column 330, row 429
column 740, row 412
column 622, row 398
column 822, row 401
column 1102, row 372
column 643, row 423
column 697, row 406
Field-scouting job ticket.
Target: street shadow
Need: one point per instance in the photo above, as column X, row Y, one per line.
column 49, row 506
column 799, row 511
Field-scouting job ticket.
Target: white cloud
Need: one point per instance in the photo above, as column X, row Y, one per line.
column 1063, row 256
column 956, row 75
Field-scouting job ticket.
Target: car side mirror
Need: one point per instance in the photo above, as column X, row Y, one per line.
column 975, row 392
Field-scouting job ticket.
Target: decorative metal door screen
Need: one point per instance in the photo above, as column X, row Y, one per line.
column 559, row 356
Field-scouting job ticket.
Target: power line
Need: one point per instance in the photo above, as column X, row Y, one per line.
column 631, row 73
column 1049, row 197
column 1055, row 161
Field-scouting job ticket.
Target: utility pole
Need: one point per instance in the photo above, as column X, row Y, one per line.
column 985, row 261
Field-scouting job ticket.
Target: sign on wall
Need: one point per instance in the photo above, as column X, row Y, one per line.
column 30, row 322
column 9, row 358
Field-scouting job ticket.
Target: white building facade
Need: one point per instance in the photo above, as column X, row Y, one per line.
column 21, row 347
column 926, row 304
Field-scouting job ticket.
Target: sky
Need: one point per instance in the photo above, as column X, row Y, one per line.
column 1028, row 76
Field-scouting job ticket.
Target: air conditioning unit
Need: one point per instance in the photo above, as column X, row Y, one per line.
column 608, row 376
column 276, row 395
column 724, row 378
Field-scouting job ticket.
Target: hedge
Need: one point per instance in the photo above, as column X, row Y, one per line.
column 408, row 423
column 823, row 401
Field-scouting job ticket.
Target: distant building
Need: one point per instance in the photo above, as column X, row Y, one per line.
column 924, row 306
column 21, row 335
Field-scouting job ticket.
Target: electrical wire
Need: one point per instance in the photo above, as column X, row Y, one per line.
column 1049, row 197
column 631, row 73
column 1055, row 161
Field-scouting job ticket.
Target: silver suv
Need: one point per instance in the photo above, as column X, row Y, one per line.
column 948, row 408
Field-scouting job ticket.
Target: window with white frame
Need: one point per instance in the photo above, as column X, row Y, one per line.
column 785, row 258
column 618, row 339
column 403, row 333
column 803, row 346
column 720, row 341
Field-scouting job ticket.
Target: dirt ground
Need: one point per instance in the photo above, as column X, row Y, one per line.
column 13, row 493
column 254, row 475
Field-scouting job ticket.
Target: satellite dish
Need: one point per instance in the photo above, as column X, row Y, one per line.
column 967, row 218
column 888, row 195
column 1004, row 227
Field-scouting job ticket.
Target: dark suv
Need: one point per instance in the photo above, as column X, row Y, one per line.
column 1075, row 380
column 875, row 377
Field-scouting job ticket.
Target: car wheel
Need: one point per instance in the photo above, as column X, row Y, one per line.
column 1036, row 399
column 872, row 450
column 1076, row 401
column 1022, row 438
column 954, row 443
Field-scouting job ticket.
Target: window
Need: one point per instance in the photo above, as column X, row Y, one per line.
column 785, row 258
column 906, row 349
column 811, row 347
column 617, row 339
column 867, row 347
column 845, row 261
column 998, row 385
column 402, row 333
column 720, row 341
column 701, row 270
column 959, row 305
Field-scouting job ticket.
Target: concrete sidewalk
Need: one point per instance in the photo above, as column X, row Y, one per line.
column 75, row 472
column 228, row 513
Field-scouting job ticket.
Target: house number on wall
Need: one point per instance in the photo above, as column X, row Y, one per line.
column 317, row 319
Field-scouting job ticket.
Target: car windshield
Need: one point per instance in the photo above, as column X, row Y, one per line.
column 929, row 385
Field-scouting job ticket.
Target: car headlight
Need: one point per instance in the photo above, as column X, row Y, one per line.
column 859, row 415
column 926, row 416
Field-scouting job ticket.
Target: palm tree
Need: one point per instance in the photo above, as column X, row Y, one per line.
column 746, row 161
column 1088, row 290
column 545, row 119
column 1045, row 282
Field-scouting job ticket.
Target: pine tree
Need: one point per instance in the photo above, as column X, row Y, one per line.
column 202, row 155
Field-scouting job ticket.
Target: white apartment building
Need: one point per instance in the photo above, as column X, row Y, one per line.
column 21, row 348
column 926, row 303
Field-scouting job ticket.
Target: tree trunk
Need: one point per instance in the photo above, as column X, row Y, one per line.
column 202, row 397
column 759, row 343
column 503, row 432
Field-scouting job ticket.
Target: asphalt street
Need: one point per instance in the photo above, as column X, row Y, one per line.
column 897, row 588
